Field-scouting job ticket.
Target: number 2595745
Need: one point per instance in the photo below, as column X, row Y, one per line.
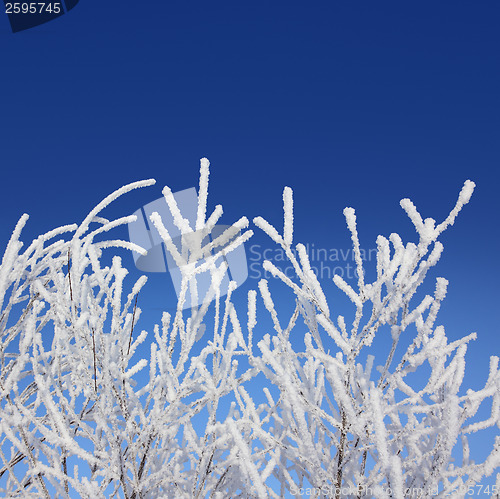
column 33, row 7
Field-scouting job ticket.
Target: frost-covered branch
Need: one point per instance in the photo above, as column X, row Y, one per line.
column 220, row 406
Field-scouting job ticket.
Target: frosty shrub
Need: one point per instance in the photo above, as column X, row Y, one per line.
column 83, row 415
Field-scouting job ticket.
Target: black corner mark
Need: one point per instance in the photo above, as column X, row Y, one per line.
column 70, row 4
column 28, row 14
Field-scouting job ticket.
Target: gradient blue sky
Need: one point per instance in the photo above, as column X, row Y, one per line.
column 349, row 103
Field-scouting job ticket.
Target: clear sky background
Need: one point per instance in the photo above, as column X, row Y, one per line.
column 350, row 103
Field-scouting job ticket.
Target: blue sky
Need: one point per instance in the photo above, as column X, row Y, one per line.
column 349, row 103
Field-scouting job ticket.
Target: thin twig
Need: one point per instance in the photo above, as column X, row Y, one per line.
column 341, row 454
column 65, row 470
column 132, row 328
column 95, row 367
column 69, row 277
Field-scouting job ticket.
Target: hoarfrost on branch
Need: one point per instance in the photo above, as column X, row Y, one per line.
column 76, row 422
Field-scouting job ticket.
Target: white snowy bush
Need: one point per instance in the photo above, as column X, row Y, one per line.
column 77, row 420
